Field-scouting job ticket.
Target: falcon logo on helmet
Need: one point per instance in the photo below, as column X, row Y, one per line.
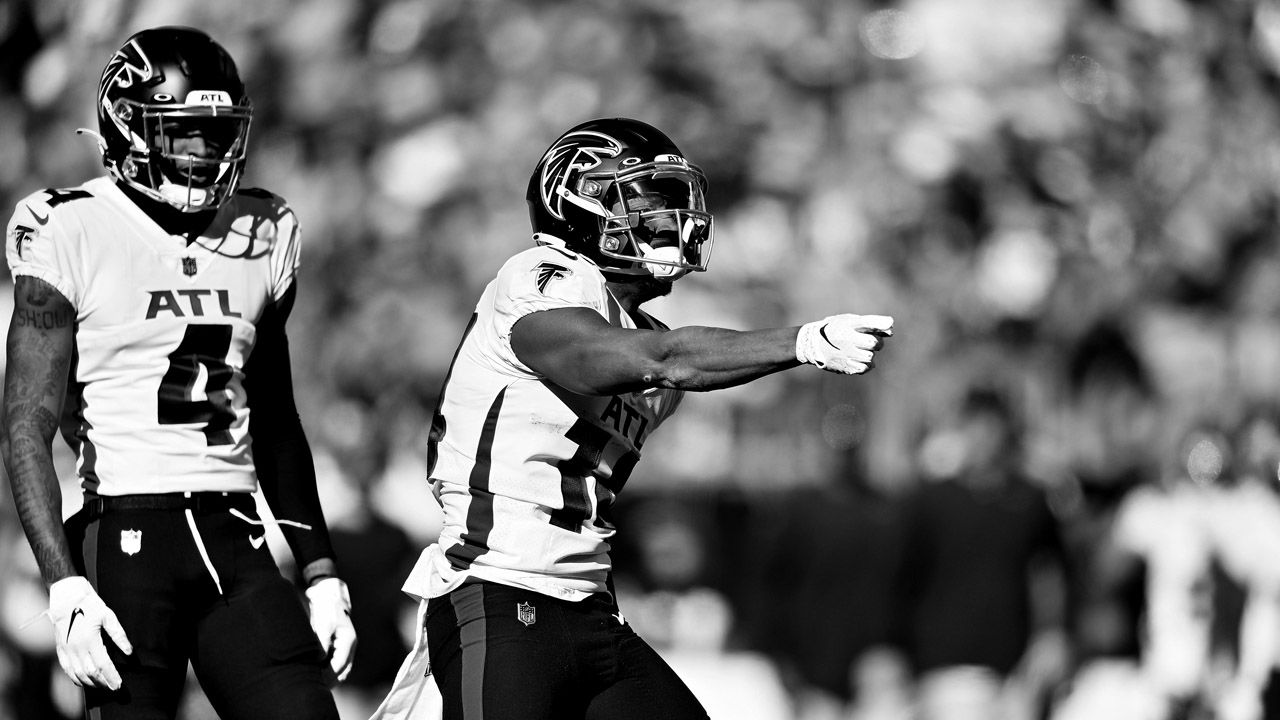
column 128, row 65
column 574, row 154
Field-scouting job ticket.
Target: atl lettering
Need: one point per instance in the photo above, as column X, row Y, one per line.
column 192, row 302
column 624, row 419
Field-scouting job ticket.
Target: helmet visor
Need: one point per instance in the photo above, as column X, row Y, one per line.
column 199, row 144
column 657, row 217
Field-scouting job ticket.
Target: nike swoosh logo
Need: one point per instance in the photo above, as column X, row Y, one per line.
column 74, row 614
column 823, row 332
column 256, row 542
column 42, row 220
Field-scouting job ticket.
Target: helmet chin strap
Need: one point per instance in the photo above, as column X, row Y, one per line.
column 662, row 270
column 188, row 198
column 668, row 254
column 184, row 197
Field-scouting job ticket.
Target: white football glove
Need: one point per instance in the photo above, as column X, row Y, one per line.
column 79, row 618
column 843, row 343
column 330, row 606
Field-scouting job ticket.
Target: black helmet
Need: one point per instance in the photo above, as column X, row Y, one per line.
column 169, row 82
column 621, row 193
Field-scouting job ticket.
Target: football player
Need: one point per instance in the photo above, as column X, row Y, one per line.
column 154, row 301
column 559, row 380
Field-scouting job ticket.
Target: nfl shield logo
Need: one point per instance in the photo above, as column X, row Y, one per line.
column 188, row 266
column 130, row 541
column 526, row 614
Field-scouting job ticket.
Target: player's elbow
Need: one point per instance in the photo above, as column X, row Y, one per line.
column 654, row 362
column 635, row 375
column 674, row 375
column 675, row 363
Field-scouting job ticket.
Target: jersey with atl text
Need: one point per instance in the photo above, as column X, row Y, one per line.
column 526, row 470
column 155, row 401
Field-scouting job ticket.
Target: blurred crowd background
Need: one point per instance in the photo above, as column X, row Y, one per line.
column 1054, row 498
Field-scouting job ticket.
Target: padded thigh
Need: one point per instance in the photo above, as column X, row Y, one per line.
column 501, row 653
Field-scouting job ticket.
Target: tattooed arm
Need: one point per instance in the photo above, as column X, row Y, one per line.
column 41, row 340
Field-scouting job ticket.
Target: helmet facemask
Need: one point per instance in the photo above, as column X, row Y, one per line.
column 653, row 218
column 187, row 155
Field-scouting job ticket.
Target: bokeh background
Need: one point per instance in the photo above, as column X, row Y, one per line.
column 1069, row 206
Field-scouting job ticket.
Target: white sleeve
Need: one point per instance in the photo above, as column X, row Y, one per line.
column 537, row 279
column 543, row 279
column 37, row 245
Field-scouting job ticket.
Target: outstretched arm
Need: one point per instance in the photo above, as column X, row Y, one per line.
column 579, row 350
column 40, row 344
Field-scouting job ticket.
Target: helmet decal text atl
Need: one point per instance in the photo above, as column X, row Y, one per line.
column 574, row 153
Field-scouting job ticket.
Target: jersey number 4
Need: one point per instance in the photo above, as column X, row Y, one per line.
column 203, row 351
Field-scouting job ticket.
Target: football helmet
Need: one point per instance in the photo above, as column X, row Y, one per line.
column 173, row 118
column 621, row 193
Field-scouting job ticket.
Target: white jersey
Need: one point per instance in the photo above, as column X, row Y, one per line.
column 155, row 401
column 527, row 470
column 1180, row 532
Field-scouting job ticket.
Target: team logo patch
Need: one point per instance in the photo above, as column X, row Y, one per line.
column 189, row 266
column 526, row 614
column 22, row 237
column 130, row 541
column 548, row 271
column 574, row 153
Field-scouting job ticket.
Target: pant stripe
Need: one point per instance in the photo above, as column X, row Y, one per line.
column 468, row 606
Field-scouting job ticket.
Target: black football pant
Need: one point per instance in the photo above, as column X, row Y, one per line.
column 240, row 623
column 502, row 653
